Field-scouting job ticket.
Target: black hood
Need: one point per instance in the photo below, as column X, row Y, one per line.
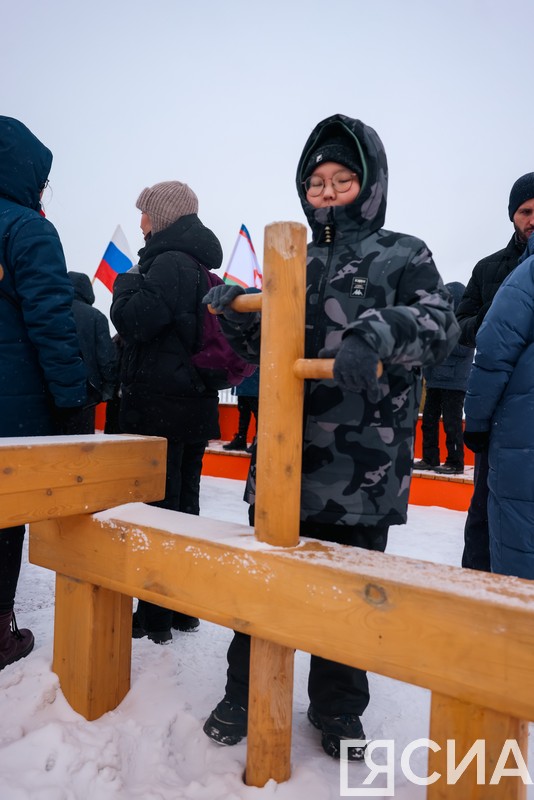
column 83, row 289
column 186, row 235
column 368, row 211
column 457, row 290
column 24, row 164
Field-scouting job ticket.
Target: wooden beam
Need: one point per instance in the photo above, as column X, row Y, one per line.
column 458, row 632
column 56, row 476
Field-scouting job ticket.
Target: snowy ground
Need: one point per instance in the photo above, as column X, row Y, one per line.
column 152, row 746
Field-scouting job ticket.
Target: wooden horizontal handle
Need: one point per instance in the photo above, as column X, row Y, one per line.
column 243, row 303
column 321, row 368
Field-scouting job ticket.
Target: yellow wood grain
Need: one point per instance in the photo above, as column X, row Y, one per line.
column 466, row 723
column 269, row 713
column 277, row 515
column 46, row 477
column 465, row 634
column 92, row 645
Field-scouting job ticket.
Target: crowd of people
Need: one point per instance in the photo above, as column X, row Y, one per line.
column 375, row 303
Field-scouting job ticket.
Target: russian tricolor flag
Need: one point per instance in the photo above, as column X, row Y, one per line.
column 243, row 268
column 116, row 260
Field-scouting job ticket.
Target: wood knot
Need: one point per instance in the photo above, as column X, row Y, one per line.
column 375, row 595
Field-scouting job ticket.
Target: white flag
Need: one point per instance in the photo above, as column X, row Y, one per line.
column 243, row 268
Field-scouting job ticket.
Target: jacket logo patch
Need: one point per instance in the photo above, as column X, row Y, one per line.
column 358, row 287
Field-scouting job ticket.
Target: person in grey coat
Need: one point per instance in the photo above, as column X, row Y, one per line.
column 445, row 391
column 371, row 295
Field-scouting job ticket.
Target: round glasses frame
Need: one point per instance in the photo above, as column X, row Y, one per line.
column 341, row 181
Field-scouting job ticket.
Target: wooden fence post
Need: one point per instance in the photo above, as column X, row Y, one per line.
column 92, row 645
column 465, row 724
column 277, row 512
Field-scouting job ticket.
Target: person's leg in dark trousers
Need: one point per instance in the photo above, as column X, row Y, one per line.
column 332, row 687
column 182, row 491
column 191, row 473
column 430, row 427
column 14, row 643
column 453, row 406
column 336, row 688
column 245, row 412
column 476, row 553
column 83, row 422
column 11, row 542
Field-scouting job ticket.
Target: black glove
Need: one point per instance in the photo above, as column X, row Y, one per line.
column 477, row 441
column 220, row 297
column 355, row 366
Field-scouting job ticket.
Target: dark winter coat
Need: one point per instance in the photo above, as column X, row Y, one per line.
column 485, row 280
column 156, row 313
column 500, row 399
column 454, row 371
column 384, row 287
column 40, row 364
column 97, row 347
column 249, row 387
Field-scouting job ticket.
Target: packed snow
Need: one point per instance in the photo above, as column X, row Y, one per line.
column 152, row 746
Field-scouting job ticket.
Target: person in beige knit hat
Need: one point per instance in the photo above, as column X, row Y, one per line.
column 156, row 313
column 166, row 202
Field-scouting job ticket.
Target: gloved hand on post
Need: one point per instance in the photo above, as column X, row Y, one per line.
column 221, row 297
column 355, row 366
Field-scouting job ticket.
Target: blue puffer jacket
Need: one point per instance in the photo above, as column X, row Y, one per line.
column 500, row 399
column 454, row 371
column 40, row 365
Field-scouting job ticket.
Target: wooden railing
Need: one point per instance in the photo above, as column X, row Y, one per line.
column 466, row 636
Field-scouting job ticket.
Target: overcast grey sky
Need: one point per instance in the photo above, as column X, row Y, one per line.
column 223, row 94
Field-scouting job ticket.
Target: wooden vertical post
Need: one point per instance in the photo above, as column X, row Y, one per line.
column 466, row 723
column 277, row 513
column 280, row 422
column 92, row 645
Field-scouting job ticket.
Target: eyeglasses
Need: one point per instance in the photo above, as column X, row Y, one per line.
column 341, row 182
column 45, row 184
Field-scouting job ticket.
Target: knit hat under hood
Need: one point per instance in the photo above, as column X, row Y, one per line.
column 367, row 212
column 338, row 149
column 166, row 202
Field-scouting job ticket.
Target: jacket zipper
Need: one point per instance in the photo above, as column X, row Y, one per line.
column 328, row 238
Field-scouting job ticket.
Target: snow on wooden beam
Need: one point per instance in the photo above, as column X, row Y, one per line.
column 56, row 476
column 464, row 634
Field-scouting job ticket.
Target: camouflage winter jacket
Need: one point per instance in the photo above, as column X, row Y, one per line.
column 384, row 287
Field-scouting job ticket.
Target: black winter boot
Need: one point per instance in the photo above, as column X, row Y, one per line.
column 183, row 622
column 335, row 728
column 227, row 723
column 239, row 442
column 14, row 644
column 152, row 621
